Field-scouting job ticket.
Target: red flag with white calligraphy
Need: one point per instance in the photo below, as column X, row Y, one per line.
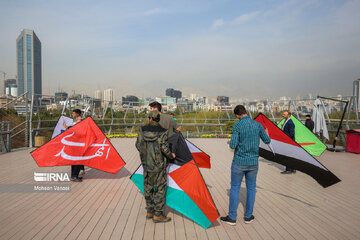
column 82, row 144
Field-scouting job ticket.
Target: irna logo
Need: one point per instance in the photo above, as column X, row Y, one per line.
column 51, row 177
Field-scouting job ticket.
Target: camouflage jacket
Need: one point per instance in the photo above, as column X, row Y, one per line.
column 152, row 143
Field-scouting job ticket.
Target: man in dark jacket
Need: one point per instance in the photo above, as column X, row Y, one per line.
column 309, row 123
column 289, row 129
column 152, row 143
column 166, row 121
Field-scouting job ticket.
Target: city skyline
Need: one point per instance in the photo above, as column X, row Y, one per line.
column 213, row 48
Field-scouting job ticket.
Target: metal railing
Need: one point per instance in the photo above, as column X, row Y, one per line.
column 199, row 122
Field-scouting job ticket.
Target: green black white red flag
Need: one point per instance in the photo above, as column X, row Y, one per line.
column 306, row 138
column 287, row 152
column 186, row 191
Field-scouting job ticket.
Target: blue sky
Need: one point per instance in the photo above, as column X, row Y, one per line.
column 237, row 48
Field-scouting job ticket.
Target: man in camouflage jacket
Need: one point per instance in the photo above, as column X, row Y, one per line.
column 152, row 143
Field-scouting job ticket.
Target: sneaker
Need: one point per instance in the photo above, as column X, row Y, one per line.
column 149, row 215
column 250, row 219
column 228, row 220
column 160, row 219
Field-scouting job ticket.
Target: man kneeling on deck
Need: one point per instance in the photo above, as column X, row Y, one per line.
column 152, row 143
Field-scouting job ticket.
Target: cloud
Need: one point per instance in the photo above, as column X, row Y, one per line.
column 238, row 20
column 245, row 17
column 156, row 11
column 217, row 23
column 267, row 53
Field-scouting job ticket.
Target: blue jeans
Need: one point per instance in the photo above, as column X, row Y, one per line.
column 237, row 173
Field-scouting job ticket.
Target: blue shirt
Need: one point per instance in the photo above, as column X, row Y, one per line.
column 245, row 140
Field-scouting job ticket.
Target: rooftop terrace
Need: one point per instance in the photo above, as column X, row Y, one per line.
column 107, row 206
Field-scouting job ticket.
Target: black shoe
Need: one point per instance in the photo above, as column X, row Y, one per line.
column 228, row 220
column 286, row 172
column 76, row 179
column 250, row 219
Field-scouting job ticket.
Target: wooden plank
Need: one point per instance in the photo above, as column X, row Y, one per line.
column 307, row 216
column 102, row 212
column 179, row 225
column 33, row 216
column 189, row 228
column 131, row 226
column 149, row 230
column 140, row 223
column 79, row 222
column 170, row 226
column 110, row 226
column 64, row 220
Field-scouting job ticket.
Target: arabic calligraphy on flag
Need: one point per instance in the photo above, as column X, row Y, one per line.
column 83, row 144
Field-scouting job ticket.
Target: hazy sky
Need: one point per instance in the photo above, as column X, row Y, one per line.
column 266, row 48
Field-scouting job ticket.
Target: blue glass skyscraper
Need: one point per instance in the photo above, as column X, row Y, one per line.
column 28, row 56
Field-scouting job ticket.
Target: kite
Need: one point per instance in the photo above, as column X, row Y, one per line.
column 201, row 158
column 186, row 191
column 188, row 151
column 59, row 128
column 306, row 138
column 287, row 152
column 82, row 144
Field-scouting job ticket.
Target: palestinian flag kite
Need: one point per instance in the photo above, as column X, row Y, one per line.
column 201, row 158
column 306, row 138
column 186, row 192
column 59, row 128
column 82, row 144
column 287, row 152
column 187, row 151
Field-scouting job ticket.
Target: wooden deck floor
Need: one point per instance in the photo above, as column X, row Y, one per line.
column 107, row 206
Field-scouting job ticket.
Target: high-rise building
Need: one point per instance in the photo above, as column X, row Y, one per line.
column 108, row 95
column 98, row 94
column 11, row 90
column 60, row 96
column 170, row 92
column 356, row 93
column 8, row 82
column 223, row 100
column 28, row 58
column 130, row 99
column 167, row 101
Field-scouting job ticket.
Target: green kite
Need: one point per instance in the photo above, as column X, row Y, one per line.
column 306, row 138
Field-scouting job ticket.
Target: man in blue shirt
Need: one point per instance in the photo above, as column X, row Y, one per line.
column 245, row 140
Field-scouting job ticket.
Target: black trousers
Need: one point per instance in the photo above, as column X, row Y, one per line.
column 289, row 169
column 75, row 169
